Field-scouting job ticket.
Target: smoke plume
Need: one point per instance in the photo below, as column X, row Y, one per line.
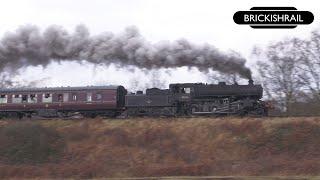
column 28, row 46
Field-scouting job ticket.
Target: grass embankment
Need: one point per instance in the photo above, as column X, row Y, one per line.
column 160, row 147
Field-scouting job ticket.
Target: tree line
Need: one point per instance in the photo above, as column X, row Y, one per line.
column 289, row 71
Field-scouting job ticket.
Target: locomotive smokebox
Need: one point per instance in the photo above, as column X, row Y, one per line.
column 250, row 82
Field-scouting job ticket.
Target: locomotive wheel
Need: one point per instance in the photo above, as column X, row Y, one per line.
column 243, row 113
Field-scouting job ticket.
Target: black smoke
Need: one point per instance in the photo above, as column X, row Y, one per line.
column 28, row 46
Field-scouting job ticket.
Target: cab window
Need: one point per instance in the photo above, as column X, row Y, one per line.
column 187, row 90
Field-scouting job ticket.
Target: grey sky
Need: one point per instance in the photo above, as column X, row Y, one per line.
column 199, row 21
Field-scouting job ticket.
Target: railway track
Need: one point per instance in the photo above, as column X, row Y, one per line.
column 223, row 178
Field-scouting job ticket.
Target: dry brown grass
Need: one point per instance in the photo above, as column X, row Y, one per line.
column 29, row 143
column 179, row 147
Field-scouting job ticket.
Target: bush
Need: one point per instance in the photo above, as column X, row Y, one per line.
column 119, row 137
column 156, row 137
column 295, row 137
column 77, row 133
column 26, row 142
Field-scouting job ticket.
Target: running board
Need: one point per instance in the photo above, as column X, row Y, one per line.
column 213, row 112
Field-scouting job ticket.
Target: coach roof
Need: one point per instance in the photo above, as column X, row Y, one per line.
column 46, row 89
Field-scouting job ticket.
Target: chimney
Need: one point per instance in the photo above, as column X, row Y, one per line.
column 250, row 82
column 139, row 92
column 222, row 83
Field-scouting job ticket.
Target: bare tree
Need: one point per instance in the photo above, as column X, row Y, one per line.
column 280, row 71
column 310, row 65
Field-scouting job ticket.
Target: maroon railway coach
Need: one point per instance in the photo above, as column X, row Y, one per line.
column 62, row 101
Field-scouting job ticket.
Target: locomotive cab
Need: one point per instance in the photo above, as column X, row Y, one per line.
column 181, row 92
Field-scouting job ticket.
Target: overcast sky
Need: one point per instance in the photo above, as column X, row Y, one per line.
column 199, row 21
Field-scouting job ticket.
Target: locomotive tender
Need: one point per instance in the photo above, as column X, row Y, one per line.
column 179, row 100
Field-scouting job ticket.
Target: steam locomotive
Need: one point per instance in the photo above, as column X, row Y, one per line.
column 187, row 99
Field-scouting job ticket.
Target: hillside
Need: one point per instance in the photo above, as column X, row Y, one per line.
column 160, row 147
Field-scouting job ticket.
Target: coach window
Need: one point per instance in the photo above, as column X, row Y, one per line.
column 89, row 96
column 65, row 97
column 16, row 98
column 32, row 98
column 3, row 98
column 99, row 96
column 24, row 98
column 60, row 97
column 74, row 97
column 47, row 98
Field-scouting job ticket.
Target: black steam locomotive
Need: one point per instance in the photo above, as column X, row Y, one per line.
column 189, row 99
column 198, row 99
